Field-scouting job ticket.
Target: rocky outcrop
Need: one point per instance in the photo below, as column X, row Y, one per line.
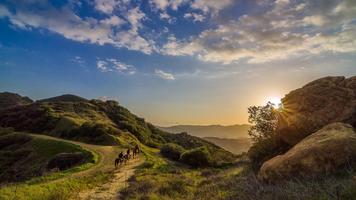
column 324, row 151
column 321, row 102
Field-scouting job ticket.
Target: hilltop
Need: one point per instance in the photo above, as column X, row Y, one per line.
column 65, row 98
column 8, row 99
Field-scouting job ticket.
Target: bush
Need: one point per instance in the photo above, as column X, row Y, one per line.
column 264, row 150
column 198, row 157
column 92, row 133
column 172, row 151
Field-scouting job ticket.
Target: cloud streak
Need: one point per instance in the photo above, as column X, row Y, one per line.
column 164, row 75
column 112, row 64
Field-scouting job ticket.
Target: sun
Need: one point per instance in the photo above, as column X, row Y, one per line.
column 276, row 101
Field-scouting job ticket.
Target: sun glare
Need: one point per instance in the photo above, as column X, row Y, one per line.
column 276, row 101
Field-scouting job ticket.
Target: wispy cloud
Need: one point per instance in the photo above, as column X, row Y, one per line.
column 112, row 64
column 164, row 75
column 79, row 60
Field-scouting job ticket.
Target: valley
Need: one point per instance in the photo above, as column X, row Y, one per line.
column 175, row 165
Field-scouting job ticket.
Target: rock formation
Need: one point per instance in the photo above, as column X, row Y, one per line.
column 319, row 103
column 324, row 151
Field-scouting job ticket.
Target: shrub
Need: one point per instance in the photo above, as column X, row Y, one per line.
column 92, row 133
column 264, row 150
column 198, row 157
column 172, row 151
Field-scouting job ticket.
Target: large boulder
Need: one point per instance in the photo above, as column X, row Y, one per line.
column 321, row 102
column 325, row 151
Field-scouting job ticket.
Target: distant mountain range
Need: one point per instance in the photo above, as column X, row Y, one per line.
column 232, row 138
column 236, row 146
column 232, row 132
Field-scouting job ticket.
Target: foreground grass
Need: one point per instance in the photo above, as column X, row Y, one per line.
column 159, row 178
column 162, row 179
column 57, row 190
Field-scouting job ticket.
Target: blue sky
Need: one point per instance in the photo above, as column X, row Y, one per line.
column 175, row 61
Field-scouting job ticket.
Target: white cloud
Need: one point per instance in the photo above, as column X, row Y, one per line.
column 164, row 75
column 103, row 66
column 66, row 23
column 112, row 64
column 213, row 6
column 283, row 32
column 106, row 6
column 166, row 16
column 196, row 17
column 113, row 21
column 207, row 6
column 161, row 4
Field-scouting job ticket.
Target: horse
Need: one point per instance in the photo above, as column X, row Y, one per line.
column 136, row 151
column 126, row 158
column 118, row 161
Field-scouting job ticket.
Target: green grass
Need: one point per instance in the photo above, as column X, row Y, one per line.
column 159, row 178
column 56, row 190
column 54, row 185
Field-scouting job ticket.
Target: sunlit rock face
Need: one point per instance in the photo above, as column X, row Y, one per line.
column 325, row 151
column 321, row 102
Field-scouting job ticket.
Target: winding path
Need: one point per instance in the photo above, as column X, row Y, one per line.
column 107, row 155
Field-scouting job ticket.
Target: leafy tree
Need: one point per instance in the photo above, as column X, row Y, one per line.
column 265, row 143
column 264, row 120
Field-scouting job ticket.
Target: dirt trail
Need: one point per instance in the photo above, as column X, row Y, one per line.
column 107, row 155
column 110, row 190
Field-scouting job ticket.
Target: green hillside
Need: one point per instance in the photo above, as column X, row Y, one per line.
column 96, row 122
column 23, row 156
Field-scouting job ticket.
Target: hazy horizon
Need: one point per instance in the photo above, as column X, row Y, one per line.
column 175, row 62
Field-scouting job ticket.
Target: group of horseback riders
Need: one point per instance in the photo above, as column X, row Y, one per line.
column 123, row 158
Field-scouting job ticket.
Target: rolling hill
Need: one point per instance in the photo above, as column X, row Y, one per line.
column 236, row 146
column 233, row 131
column 96, row 122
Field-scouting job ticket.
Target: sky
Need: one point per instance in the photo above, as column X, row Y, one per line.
column 175, row 61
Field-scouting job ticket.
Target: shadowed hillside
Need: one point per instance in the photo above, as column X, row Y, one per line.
column 8, row 99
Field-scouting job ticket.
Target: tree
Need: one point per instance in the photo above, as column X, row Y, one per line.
column 264, row 120
column 265, row 143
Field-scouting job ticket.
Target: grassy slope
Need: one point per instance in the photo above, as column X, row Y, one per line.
column 162, row 179
column 159, row 178
column 23, row 157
